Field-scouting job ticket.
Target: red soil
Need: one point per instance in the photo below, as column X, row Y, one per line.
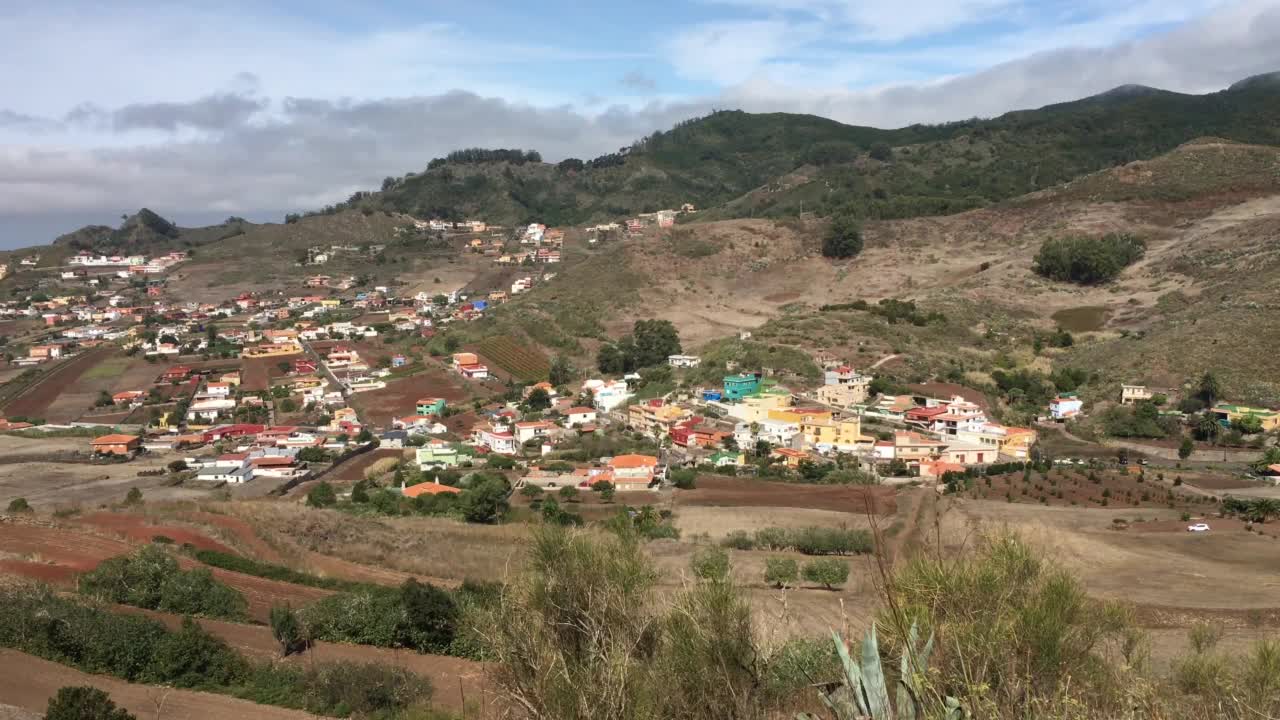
column 722, row 491
column 136, row 527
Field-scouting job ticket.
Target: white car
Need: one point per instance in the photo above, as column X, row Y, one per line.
column 1198, row 527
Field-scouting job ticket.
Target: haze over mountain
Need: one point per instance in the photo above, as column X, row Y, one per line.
column 251, row 111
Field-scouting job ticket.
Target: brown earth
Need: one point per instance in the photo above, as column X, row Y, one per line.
column 1074, row 487
column 37, row 399
column 256, row 374
column 353, row 470
column 399, row 397
column 63, row 553
column 726, row 491
column 138, row 529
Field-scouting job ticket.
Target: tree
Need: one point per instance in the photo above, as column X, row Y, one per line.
column 781, row 572
column 288, row 405
column 568, row 493
column 1186, row 448
column 881, row 151
column 829, row 572
column 710, row 563
column 539, row 399
column 84, row 703
column 655, row 341
column 133, row 497
column 562, row 371
column 684, row 478
column 611, row 360
column 19, row 505
column 360, row 492
column 843, row 238
column 365, row 435
column 1248, row 424
column 1208, row 390
column 177, row 466
column 1206, row 426
column 485, row 501
column 606, row 493
column 533, row 492
column 322, row 496
column 287, row 630
column 431, row 617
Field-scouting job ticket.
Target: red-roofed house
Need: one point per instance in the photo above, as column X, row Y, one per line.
column 429, row 488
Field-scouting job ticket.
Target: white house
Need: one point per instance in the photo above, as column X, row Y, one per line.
column 684, row 361
column 1065, row 406
column 575, row 416
column 526, row 431
column 607, row 394
column 775, row 432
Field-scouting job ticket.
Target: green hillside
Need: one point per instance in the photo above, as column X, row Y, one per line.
column 736, row 164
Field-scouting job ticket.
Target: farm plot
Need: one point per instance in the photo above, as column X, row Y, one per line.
column 257, row 373
column 1085, row 488
column 509, row 356
column 399, row 397
column 720, row 491
column 37, row 400
column 109, row 376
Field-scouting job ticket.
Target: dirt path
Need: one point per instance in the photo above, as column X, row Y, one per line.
column 884, row 360
column 28, row 682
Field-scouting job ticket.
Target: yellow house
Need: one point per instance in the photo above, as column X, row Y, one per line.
column 800, row 416
column 645, row 417
column 331, row 303
column 1228, row 414
column 1017, row 442
column 755, row 408
column 841, row 435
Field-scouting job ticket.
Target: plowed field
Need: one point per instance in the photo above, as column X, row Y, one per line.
column 727, row 492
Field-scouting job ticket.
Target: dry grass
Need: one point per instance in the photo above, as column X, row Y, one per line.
column 433, row 547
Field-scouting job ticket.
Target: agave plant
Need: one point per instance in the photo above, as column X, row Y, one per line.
column 864, row 692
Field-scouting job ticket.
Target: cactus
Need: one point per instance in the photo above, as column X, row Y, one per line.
column 864, row 692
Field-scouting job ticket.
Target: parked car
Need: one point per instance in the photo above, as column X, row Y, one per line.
column 1198, row 527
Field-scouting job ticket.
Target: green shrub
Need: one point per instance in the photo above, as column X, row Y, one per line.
column 710, row 563
column 781, row 572
column 815, row 540
column 84, row 703
column 826, row 571
column 247, row 566
column 684, row 479
column 19, row 505
column 416, row 615
column 1088, row 260
column 322, row 496
column 193, row 658
column 152, row 579
column 287, row 629
column 843, row 238
column 739, row 540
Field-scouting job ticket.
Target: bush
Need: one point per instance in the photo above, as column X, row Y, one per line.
column 152, row 579
column 815, row 540
column 288, row 630
column 416, row 615
column 826, row 571
column 133, row 497
column 684, row 479
column 322, row 496
column 781, row 572
column 739, row 540
column 84, row 703
column 710, row 563
column 177, row 466
column 236, row 563
column 193, row 658
column 1088, row 260
column 19, row 505
column 843, row 238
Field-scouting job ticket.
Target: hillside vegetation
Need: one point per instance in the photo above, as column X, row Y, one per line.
column 777, row 165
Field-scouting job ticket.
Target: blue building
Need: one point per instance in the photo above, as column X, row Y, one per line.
column 737, row 387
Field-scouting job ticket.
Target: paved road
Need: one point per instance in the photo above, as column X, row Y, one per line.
column 324, row 368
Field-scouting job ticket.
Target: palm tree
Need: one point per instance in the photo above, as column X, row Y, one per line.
column 1207, row 426
column 1264, row 508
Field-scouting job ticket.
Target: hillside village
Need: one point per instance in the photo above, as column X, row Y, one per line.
column 267, row 387
column 366, row 441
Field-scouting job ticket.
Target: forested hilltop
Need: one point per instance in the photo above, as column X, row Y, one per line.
column 738, row 164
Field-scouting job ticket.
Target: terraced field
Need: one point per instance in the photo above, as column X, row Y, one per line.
column 508, row 355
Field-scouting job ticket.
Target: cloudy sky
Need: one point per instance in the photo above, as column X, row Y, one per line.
column 202, row 110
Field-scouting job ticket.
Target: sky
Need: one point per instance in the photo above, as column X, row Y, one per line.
column 203, row 110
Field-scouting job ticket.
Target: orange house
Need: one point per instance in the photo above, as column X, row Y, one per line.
column 116, row 444
column 429, row 488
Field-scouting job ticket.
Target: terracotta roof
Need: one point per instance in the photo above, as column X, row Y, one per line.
column 429, row 488
column 633, row 461
column 276, row 460
column 579, row 410
column 114, row 440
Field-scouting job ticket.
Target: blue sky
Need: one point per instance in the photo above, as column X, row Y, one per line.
column 252, row 108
